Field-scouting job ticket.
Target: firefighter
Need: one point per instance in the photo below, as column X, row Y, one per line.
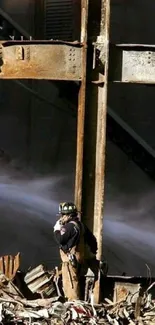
column 78, row 248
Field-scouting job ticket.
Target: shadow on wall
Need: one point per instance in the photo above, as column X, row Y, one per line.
column 21, row 12
column 135, row 105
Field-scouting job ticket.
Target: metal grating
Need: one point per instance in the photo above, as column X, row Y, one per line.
column 59, row 19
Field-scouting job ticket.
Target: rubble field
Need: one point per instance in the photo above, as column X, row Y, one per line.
column 36, row 298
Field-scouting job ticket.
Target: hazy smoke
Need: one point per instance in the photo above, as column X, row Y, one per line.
column 129, row 222
column 129, row 246
column 28, row 207
column 28, row 210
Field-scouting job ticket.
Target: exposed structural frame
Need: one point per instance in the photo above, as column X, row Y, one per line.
column 60, row 60
column 87, row 62
column 91, row 128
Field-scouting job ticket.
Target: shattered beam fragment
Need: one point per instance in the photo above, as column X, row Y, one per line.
column 9, row 265
column 40, row 281
column 45, row 60
column 132, row 63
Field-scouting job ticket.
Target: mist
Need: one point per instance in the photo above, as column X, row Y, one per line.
column 129, row 216
column 29, row 204
column 28, row 208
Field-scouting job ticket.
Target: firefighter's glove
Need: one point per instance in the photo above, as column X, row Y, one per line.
column 57, row 226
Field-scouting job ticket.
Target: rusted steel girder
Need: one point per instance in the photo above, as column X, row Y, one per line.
column 40, row 60
column 81, row 109
column 89, row 185
column 58, row 60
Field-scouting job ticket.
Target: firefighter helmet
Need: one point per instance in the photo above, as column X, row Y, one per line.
column 67, row 208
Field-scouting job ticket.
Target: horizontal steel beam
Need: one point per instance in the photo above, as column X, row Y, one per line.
column 58, row 60
column 132, row 63
column 40, row 60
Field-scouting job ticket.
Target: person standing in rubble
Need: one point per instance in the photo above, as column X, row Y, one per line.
column 78, row 248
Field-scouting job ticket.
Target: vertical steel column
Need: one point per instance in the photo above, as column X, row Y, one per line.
column 101, row 129
column 89, row 187
column 81, row 107
column 101, row 137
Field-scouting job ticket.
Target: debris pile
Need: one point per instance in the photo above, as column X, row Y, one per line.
column 55, row 311
column 35, row 298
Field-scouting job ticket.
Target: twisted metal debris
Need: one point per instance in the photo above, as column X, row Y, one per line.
column 54, row 311
column 43, row 303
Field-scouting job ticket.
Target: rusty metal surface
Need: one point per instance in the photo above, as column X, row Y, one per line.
column 101, row 132
column 40, row 281
column 133, row 63
column 9, row 265
column 89, row 185
column 123, row 289
column 81, row 109
column 32, row 60
column 101, row 139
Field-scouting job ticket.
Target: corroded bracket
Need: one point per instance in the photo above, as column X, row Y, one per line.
column 40, row 60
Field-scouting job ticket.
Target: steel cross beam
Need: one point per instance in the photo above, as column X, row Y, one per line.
column 53, row 60
column 58, row 60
